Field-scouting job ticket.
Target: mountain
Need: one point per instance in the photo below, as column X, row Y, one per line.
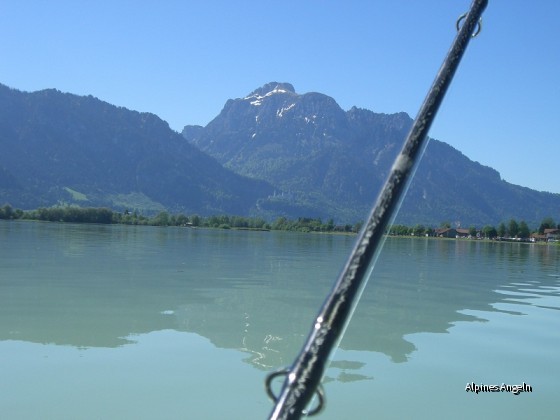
column 274, row 152
column 327, row 162
column 62, row 148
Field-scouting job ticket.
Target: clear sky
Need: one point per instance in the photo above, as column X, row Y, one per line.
column 182, row 60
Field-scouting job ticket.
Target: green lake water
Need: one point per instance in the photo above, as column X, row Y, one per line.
column 123, row 322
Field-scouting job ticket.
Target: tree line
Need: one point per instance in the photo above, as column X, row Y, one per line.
column 72, row 214
column 512, row 228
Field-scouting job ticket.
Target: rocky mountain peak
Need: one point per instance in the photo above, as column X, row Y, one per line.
column 270, row 89
column 327, row 162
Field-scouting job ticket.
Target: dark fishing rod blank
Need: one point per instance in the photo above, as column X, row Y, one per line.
column 302, row 379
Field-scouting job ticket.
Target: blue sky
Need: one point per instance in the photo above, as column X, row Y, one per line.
column 182, row 60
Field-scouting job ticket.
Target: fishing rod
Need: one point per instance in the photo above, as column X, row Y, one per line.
column 302, row 379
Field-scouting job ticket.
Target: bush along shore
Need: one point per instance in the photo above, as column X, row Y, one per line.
column 71, row 214
column 512, row 230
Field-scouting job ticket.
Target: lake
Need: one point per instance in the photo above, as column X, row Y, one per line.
column 113, row 322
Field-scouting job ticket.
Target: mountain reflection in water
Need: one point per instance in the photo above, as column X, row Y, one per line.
column 132, row 322
column 258, row 292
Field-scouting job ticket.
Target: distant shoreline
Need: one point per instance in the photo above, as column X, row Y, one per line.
column 411, row 237
column 513, row 233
